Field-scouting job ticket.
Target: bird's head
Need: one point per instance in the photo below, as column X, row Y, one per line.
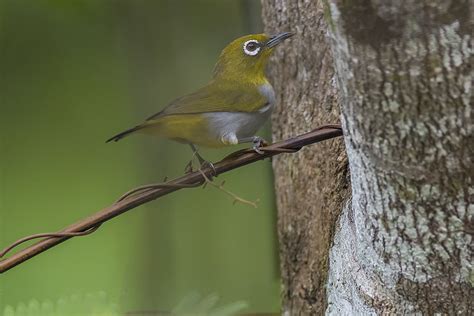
column 245, row 58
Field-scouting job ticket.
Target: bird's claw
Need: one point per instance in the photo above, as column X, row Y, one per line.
column 257, row 149
column 258, row 142
column 207, row 164
column 204, row 164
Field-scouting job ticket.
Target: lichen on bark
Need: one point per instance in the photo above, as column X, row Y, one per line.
column 404, row 244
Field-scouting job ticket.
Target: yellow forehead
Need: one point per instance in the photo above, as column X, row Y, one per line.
column 237, row 43
column 258, row 37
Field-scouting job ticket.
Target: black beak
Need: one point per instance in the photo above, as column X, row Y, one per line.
column 277, row 39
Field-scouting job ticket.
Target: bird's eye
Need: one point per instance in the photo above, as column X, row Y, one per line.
column 251, row 47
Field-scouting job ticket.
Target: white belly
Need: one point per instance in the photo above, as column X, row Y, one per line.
column 229, row 127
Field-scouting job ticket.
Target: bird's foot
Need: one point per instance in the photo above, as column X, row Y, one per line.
column 258, row 142
column 203, row 163
column 207, row 164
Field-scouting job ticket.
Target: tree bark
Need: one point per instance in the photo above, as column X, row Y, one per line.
column 311, row 186
column 403, row 244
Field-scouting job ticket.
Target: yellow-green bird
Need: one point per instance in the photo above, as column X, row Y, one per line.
column 230, row 108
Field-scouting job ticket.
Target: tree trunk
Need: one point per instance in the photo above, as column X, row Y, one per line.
column 312, row 186
column 403, row 245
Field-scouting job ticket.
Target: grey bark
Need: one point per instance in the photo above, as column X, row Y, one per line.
column 311, row 186
column 403, row 244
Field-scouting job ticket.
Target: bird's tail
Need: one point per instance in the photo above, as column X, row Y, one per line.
column 123, row 134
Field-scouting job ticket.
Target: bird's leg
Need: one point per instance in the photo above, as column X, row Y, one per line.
column 203, row 162
column 257, row 143
column 189, row 166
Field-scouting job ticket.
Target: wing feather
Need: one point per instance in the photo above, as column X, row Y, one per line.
column 216, row 98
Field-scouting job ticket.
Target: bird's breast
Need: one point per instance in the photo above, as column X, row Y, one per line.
column 266, row 90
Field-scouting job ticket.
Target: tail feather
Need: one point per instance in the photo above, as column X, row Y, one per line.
column 123, row 134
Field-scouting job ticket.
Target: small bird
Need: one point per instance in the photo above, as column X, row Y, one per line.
column 230, row 109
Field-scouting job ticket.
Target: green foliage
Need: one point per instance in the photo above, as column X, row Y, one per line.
column 100, row 304
column 91, row 304
column 195, row 305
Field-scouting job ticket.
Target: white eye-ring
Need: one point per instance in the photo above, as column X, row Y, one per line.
column 251, row 47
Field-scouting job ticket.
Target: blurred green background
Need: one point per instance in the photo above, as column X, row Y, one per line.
column 72, row 74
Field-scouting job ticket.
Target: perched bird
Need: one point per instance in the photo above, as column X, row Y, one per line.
column 230, row 108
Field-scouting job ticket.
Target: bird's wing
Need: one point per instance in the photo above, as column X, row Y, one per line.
column 214, row 98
